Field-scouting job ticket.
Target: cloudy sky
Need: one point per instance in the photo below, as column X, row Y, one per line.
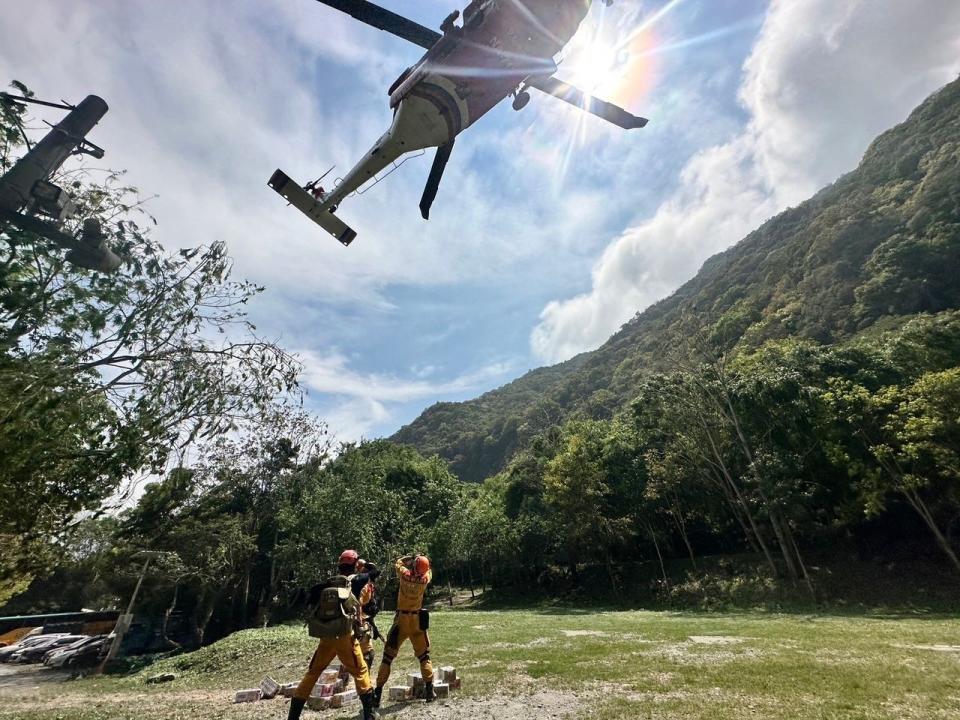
column 551, row 228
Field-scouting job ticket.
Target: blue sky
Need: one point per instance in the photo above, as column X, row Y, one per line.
column 551, row 228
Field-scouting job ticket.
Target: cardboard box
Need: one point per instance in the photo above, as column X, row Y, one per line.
column 455, row 685
column 319, row 703
column 251, row 695
column 441, row 690
column 269, row 688
column 447, row 674
column 287, row 689
column 400, row 693
column 325, row 690
column 343, row 699
column 329, row 675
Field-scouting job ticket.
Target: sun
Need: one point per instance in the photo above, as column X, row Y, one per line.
column 593, row 65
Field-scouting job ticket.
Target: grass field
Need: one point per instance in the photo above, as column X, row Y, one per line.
column 575, row 665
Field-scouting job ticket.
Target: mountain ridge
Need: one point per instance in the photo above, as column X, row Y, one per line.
column 874, row 246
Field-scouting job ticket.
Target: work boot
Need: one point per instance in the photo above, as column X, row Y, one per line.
column 296, row 707
column 367, row 700
column 377, row 692
column 428, row 694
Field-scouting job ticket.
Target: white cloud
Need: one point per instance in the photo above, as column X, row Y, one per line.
column 824, row 78
column 359, row 402
column 207, row 99
column 353, row 418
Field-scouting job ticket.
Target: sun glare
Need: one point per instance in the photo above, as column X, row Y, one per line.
column 594, row 65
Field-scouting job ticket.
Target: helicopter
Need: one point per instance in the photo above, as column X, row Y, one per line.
column 500, row 49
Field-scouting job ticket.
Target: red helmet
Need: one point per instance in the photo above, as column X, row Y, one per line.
column 348, row 557
column 421, row 564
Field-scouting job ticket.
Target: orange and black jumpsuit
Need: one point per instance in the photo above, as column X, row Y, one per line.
column 406, row 624
column 365, row 631
column 344, row 647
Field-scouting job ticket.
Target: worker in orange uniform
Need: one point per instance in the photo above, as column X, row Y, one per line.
column 367, row 630
column 411, row 622
column 333, row 618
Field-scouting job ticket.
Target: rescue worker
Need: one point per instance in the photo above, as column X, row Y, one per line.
column 411, row 622
column 369, row 608
column 337, row 634
column 316, row 190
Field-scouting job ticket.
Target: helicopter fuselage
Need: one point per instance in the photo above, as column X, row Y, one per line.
column 470, row 70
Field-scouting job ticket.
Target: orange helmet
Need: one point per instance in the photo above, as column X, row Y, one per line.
column 421, row 564
column 348, row 557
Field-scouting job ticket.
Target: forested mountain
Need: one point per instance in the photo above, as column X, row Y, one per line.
column 880, row 245
column 784, row 421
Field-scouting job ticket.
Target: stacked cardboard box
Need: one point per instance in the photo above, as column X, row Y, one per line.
column 415, row 681
column 327, row 689
column 445, row 681
column 331, row 689
column 342, row 699
column 448, row 674
column 319, row 703
column 400, row 693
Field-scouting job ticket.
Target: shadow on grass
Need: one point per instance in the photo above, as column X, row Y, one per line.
column 576, row 603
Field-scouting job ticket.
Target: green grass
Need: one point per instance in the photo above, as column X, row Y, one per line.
column 611, row 664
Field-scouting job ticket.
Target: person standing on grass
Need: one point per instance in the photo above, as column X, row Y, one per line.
column 411, row 622
column 333, row 617
column 365, row 591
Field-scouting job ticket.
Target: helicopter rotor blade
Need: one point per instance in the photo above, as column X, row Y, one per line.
column 578, row 98
column 433, row 180
column 383, row 19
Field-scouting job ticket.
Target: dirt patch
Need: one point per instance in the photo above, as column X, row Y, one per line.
column 546, row 704
column 931, row 648
column 662, row 678
column 69, row 700
column 693, row 653
column 715, row 639
column 14, row 679
column 584, row 633
column 533, row 643
column 634, row 638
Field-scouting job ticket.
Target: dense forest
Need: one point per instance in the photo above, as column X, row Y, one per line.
column 796, row 403
column 869, row 252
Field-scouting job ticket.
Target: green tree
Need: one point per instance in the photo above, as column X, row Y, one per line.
column 581, row 496
column 105, row 375
column 913, row 435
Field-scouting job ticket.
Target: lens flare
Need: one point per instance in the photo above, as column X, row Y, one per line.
column 619, row 56
column 594, row 66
